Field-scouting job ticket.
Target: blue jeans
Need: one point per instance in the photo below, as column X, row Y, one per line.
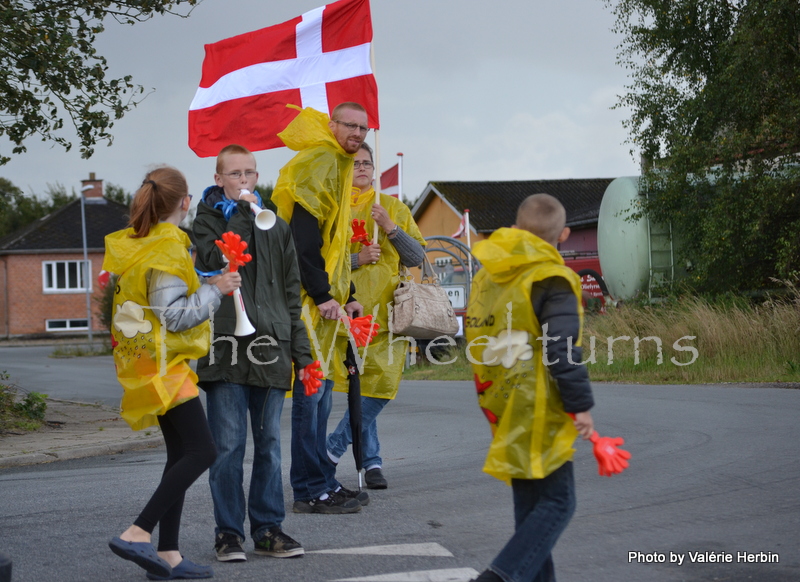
column 342, row 436
column 312, row 473
column 542, row 510
column 228, row 404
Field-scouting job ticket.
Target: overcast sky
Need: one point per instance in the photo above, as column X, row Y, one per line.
column 468, row 90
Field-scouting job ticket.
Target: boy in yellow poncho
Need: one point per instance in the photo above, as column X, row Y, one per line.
column 376, row 275
column 524, row 323
column 313, row 195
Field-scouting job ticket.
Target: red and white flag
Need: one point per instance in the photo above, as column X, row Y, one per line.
column 461, row 227
column 390, row 181
column 319, row 59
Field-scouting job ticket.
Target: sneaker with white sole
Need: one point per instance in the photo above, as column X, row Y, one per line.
column 332, row 504
column 277, row 544
column 229, row 548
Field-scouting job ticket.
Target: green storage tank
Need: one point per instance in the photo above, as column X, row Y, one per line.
column 635, row 256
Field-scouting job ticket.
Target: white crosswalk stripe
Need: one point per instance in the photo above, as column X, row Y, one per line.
column 448, row 575
column 427, row 549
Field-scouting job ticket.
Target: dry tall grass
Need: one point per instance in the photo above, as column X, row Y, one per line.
column 690, row 340
column 735, row 341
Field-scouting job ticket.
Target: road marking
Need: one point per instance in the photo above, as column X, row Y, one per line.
column 430, row 549
column 449, row 575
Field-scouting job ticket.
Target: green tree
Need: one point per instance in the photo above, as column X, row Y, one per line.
column 265, row 191
column 715, row 111
column 51, row 73
column 118, row 194
column 18, row 210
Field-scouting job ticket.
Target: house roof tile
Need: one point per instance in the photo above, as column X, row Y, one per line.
column 61, row 230
column 494, row 204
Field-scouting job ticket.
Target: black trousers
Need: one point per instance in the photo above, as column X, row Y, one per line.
column 190, row 452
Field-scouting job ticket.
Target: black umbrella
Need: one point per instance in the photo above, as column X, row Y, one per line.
column 354, row 406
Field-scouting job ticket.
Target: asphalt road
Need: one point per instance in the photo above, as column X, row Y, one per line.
column 82, row 379
column 714, row 476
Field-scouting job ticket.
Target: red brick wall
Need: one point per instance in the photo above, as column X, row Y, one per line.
column 29, row 306
column 3, row 299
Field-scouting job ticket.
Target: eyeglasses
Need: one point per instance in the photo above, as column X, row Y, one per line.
column 353, row 126
column 365, row 165
column 189, row 196
column 236, row 175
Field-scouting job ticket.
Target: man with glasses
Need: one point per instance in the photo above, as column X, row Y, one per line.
column 313, row 195
column 249, row 374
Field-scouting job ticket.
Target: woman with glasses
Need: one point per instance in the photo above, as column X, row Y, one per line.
column 375, row 272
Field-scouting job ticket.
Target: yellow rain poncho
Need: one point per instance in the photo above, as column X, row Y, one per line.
column 319, row 178
column 152, row 363
column 375, row 285
column 533, row 436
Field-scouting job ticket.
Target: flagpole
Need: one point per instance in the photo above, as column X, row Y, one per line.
column 377, row 178
column 469, row 246
column 377, row 148
column 400, row 176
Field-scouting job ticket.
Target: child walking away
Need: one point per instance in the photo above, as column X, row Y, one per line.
column 160, row 323
column 527, row 305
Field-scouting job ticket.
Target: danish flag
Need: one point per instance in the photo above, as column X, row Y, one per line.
column 390, row 181
column 319, row 59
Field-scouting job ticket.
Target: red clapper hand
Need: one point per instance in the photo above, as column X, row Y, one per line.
column 312, row 378
column 362, row 329
column 611, row 459
column 233, row 247
column 359, row 234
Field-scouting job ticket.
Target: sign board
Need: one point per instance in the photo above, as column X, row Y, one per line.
column 457, row 294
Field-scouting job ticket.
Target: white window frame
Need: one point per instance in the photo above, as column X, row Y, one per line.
column 49, row 267
column 71, row 325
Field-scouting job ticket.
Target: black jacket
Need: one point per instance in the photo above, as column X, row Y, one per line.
column 271, row 292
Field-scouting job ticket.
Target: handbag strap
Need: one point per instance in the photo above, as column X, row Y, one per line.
column 429, row 275
column 433, row 278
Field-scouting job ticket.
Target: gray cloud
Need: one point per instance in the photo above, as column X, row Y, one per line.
column 512, row 89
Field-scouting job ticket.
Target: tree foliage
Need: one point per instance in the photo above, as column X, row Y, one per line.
column 715, row 109
column 51, row 73
column 118, row 194
column 18, row 210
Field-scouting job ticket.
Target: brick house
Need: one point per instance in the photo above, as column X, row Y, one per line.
column 42, row 284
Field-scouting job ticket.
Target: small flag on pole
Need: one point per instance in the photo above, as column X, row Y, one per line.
column 390, row 181
column 461, row 227
column 319, row 59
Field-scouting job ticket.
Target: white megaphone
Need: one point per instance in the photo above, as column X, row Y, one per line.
column 265, row 218
column 243, row 325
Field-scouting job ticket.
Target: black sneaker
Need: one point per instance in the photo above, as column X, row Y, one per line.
column 333, row 504
column 229, row 548
column 278, row 545
column 375, row 479
column 361, row 496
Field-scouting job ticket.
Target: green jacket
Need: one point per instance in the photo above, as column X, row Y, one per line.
column 271, row 292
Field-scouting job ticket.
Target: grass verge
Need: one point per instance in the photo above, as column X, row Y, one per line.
column 687, row 341
column 82, row 351
column 20, row 411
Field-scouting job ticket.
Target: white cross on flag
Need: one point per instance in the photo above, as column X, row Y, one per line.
column 319, row 59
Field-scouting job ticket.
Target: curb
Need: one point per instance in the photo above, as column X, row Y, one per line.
column 80, row 452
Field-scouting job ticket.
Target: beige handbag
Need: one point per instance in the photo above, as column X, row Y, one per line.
column 422, row 310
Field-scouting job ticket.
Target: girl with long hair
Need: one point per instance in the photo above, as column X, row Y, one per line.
column 160, row 322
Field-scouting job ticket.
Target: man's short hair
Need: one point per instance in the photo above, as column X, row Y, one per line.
column 542, row 215
column 230, row 150
column 346, row 105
